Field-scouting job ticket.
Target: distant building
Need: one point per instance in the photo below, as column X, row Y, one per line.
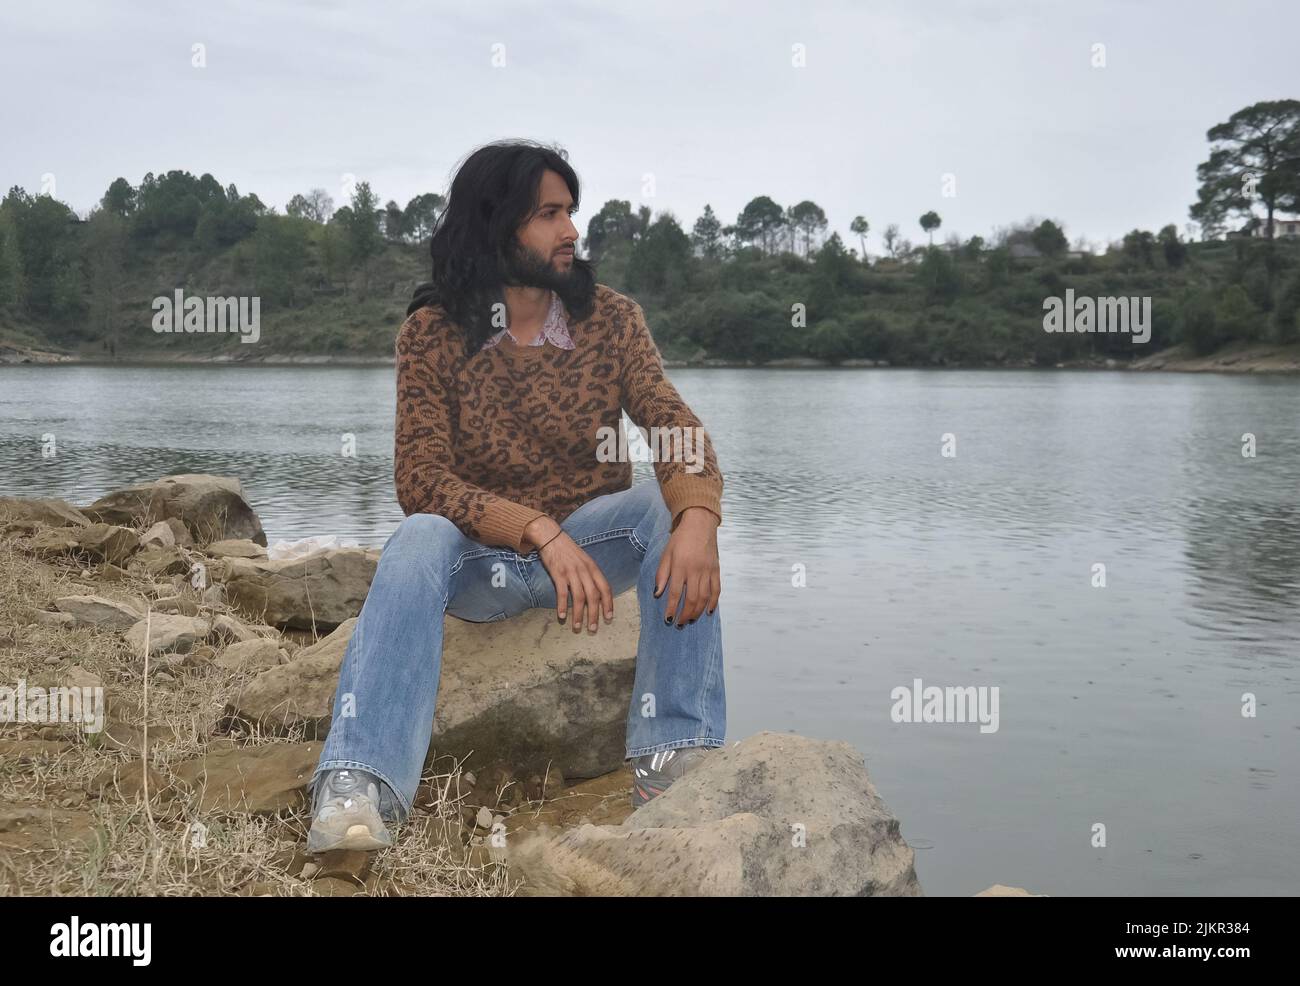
column 1284, row 228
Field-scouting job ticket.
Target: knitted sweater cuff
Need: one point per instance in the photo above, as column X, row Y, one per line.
column 681, row 492
column 504, row 522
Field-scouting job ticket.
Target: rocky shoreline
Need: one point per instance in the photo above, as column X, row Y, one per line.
column 217, row 665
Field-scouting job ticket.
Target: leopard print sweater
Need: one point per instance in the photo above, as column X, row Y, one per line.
column 495, row 440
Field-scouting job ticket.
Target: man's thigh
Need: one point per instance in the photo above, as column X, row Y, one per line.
column 488, row 584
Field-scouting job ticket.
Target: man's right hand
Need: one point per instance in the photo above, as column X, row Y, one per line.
column 575, row 573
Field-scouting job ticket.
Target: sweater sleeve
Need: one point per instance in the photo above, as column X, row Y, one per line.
column 423, row 456
column 684, row 460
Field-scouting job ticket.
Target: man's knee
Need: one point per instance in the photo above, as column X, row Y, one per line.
column 424, row 532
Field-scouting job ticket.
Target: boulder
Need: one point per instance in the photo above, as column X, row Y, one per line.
column 774, row 815
column 128, row 506
column 231, row 630
column 107, row 543
column 168, row 634
column 156, row 561
column 267, row 778
column 250, row 655
column 319, row 591
column 210, row 508
column 54, row 542
column 42, row 510
column 184, row 605
column 63, row 621
column 236, row 549
column 32, row 828
column 96, row 611
column 524, row 691
column 160, row 535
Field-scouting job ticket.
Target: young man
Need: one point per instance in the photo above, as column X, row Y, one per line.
column 513, row 369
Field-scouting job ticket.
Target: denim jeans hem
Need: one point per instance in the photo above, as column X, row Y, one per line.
column 712, row 741
column 324, row 765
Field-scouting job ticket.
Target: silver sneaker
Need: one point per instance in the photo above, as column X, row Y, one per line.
column 653, row 773
column 347, row 813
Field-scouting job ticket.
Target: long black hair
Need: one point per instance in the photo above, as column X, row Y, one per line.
column 495, row 190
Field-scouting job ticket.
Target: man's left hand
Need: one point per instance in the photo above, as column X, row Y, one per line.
column 689, row 566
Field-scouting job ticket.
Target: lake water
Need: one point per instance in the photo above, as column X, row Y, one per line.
column 1118, row 706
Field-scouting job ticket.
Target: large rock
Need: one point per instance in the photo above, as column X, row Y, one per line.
column 96, row 611
column 319, row 591
column 42, row 510
column 774, row 815
column 256, row 779
column 212, row 508
column 250, row 655
column 524, row 691
column 29, row 828
column 107, row 543
column 236, row 548
column 168, row 634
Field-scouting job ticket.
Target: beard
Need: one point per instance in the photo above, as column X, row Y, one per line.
column 575, row 285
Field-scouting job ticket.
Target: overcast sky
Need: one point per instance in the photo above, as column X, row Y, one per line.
column 704, row 97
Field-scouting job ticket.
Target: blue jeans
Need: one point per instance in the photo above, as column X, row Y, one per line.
column 391, row 667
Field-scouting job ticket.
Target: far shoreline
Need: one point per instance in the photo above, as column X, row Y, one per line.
column 1233, row 359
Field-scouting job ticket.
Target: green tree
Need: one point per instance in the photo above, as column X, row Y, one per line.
column 51, row 269
column 422, row 214
column 707, row 234
column 859, row 228
column 930, row 222
column 807, row 220
column 394, row 222
column 280, row 251
column 11, row 263
column 107, row 238
column 120, row 198
column 661, row 258
column 316, row 206
column 891, row 240
column 1138, row 248
column 939, row 277
column 614, row 223
column 1254, row 161
column 1049, row 239
column 761, row 223
column 1175, row 250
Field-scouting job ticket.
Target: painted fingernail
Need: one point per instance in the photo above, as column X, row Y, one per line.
column 562, row 619
column 668, row 619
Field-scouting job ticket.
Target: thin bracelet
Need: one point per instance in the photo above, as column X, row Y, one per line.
column 541, row 546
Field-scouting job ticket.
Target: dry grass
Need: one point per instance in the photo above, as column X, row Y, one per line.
column 115, row 845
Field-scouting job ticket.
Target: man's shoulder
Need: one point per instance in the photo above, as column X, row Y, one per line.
column 607, row 299
column 427, row 327
column 614, row 308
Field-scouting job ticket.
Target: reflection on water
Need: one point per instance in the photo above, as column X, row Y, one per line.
column 1119, row 705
